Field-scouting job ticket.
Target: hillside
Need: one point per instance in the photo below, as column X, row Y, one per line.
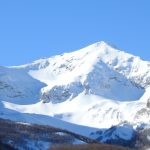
column 38, row 137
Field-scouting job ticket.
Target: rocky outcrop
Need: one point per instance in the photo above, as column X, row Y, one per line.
column 61, row 93
column 148, row 103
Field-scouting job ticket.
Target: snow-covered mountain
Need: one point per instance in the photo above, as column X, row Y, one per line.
column 98, row 86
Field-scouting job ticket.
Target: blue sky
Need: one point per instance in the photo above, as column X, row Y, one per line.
column 31, row 29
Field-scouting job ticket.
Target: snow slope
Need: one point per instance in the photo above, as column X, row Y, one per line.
column 97, row 86
column 6, row 113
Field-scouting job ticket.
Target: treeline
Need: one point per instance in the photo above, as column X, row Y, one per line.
column 20, row 135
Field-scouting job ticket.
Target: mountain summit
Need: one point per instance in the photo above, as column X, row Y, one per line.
column 96, row 86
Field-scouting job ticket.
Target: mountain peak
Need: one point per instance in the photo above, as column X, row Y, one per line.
column 97, row 44
column 99, row 49
column 103, row 44
column 83, row 61
column 99, row 78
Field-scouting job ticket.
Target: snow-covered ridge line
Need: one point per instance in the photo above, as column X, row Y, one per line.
column 127, row 64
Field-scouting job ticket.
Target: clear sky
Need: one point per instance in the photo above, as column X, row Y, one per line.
column 31, row 29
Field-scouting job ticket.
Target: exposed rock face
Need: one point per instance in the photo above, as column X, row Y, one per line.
column 148, row 103
column 60, row 94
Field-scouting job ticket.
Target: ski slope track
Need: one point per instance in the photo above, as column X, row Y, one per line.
column 97, row 86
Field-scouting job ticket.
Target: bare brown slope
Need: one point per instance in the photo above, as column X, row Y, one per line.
column 89, row 147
